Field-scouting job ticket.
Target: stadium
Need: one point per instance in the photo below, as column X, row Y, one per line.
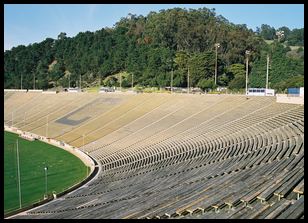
column 162, row 155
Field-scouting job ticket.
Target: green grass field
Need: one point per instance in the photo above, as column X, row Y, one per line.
column 64, row 170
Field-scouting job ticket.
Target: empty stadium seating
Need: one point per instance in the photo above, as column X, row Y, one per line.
column 173, row 156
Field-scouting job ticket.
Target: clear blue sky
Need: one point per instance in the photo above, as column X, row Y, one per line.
column 29, row 23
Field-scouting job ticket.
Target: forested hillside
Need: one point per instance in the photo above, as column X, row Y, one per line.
column 151, row 48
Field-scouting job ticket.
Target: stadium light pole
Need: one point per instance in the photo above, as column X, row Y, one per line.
column 80, row 82
column 188, row 81
column 45, row 168
column 69, row 81
column 267, row 64
column 18, row 173
column 247, row 52
column 171, row 87
column 217, row 45
column 120, row 82
column 20, row 81
column 132, row 81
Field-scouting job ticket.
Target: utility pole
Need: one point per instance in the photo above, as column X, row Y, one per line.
column 18, row 173
column 33, row 80
column 188, row 81
column 120, row 82
column 217, row 45
column 21, row 81
column 171, row 87
column 267, row 65
column 80, row 82
column 45, row 168
column 132, row 82
column 247, row 56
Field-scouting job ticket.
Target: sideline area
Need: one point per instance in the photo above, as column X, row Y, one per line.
column 89, row 162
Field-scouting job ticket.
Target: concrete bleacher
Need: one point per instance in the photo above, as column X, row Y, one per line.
column 174, row 156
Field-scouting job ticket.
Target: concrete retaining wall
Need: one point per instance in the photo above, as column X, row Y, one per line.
column 75, row 151
column 15, row 90
column 283, row 98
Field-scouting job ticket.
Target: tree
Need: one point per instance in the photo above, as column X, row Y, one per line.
column 237, row 83
column 147, row 46
column 61, row 36
column 296, row 37
column 267, row 32
column 281, row 66
column 206, row 84
column 201, row 66
column 181, row 59
column 236, row 72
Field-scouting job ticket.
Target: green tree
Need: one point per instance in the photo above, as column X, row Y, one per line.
column 237, row 74
column 206, row 84
column 267, row 32
column 235, row 70
column 201, row 66
column 237, row 83
column 296, row 37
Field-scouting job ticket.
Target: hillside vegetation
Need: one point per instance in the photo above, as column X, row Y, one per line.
column 151, row 47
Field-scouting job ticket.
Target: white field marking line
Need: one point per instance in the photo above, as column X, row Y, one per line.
column 137, row 106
